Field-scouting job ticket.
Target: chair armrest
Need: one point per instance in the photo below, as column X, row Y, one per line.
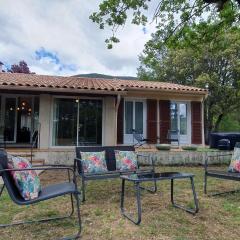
column 51, row 168
column 214, row 156
column 76, row 168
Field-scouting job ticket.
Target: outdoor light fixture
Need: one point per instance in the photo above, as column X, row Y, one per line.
column 77, row 100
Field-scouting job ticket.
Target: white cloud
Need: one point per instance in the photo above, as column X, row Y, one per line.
column 63, row 27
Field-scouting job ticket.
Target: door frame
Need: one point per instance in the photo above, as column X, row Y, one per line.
column 2, row 109
column 184, row 139
column 51, row 118
column 128, row 138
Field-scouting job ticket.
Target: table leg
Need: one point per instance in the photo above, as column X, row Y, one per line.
column 190, row 210
column 138, row 199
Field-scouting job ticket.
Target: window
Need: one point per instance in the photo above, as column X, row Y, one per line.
column 129, row 117
column 65, row 122
column 90, row 122
column 133, row 117
column 139, row 117
column 77, row 122
column 179, row 117
column 183, row 118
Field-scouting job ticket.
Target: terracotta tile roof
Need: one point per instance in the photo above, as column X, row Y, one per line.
column 114, row 85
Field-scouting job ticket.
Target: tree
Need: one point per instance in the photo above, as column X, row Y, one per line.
column 203, row 56
column 169, row 15
column 21, row 67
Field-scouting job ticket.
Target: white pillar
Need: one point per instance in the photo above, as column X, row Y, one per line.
column 44, row 120
column 109, row 122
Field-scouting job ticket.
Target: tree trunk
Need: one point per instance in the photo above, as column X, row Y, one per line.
column 219, row 119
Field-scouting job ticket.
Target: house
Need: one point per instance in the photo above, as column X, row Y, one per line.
column 70, row 111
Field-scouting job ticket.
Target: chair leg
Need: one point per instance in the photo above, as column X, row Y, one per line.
column 55, row 218
column 217, row 193
column 151, row 189
column 83, row 189
column 138, row 199
column 189, row 210
column 77, row 235
column 2, row 188
column 205, row 183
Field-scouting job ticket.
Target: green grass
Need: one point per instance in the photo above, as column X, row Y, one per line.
column 218, row 218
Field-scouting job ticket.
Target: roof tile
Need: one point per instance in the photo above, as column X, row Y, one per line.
column 112, row 85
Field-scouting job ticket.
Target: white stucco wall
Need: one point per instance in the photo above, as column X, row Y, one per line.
column 109, row 122
column 45, row 105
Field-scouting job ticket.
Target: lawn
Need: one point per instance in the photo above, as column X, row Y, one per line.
column 219, row 217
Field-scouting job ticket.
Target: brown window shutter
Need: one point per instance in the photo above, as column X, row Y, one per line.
column 196, row 109
column 120, row 123
column 164, row 111
column 152, row 120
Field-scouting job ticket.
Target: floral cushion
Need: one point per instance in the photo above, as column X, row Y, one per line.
column 94, row 162
column 27, row 182
column 126, row 160
column 235, row 162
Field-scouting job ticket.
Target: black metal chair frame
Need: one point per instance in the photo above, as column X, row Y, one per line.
column 139, row 138
column 72, row 191
column 112, row 173
column 219, row 174
column 137, row 183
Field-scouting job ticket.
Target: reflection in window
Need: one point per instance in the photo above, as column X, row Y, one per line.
column 90, row 122
column 183, row 118
column 174, row 116
column 77, row 120
column 65, row 122
column 139, row 117
column 179, row 117
column 128, row 117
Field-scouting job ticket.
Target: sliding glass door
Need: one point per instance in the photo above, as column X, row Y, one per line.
column 77, row 122
column 10, row 119
column 90, row 122
column 135, row 119
column 18, row 117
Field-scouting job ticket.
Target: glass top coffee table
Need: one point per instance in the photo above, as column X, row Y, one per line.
column 137, row 179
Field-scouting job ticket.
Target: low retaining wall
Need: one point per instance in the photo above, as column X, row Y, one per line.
column 66, row 156
column 185, row 157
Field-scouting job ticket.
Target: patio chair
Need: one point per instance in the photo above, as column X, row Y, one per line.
column 139, row 138
column 173, row 136
column 234, row 176
column 112, row 172
column 49, row 192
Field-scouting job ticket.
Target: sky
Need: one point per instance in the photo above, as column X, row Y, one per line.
column 56, row 37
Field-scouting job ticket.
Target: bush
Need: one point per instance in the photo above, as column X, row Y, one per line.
column 190, row 148
column 165, row 147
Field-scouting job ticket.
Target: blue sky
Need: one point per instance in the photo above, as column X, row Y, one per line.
column 57, row 38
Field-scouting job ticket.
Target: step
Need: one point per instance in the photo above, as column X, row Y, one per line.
column 38, row 162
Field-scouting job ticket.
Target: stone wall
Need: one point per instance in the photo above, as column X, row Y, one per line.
column 185, row 157
column 66, row 156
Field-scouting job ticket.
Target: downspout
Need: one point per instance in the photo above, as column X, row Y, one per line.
column 116, row 113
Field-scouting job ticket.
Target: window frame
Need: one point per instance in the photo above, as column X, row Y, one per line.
column 74, row 98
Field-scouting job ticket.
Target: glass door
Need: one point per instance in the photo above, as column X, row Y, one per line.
column 179, row 121
column 10, row 107
column 135, row 119
column 89, row 122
